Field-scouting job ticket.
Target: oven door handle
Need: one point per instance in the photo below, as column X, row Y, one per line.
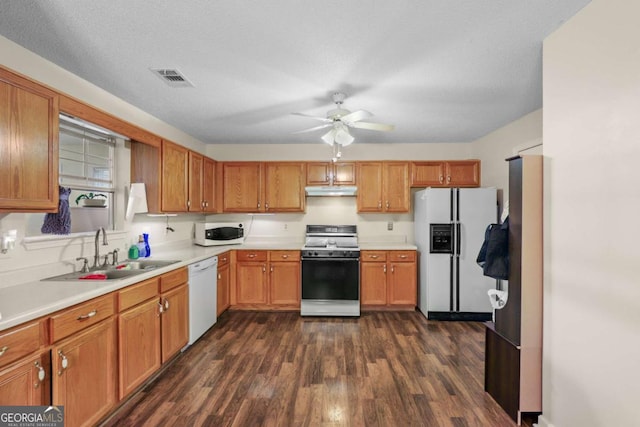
column 330, row 259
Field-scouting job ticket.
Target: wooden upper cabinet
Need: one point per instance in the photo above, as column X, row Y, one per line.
column 263, row 186
column 463, row 173
column 175, row 177
column 396, row 187
column 453, row 173
column 196, row 175
column 209, row 185
column 146, row 168
column 328, row 173
column 28, row 145
column 383, row 187
column 284, row 187
column 370, row 192
column 242, row 187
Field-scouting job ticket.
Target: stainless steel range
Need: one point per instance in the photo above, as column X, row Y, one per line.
column 330, row 271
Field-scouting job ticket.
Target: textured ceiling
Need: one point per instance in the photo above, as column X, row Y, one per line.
column 439, row 70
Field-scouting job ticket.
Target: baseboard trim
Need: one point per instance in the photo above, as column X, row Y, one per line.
column 543, row 422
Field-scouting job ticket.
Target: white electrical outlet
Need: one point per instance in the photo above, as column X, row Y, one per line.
column 286, row 226
column 390, row 226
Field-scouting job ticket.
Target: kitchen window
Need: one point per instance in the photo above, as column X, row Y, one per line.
column 87, row 166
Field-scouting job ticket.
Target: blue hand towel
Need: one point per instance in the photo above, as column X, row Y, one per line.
column 59, row 222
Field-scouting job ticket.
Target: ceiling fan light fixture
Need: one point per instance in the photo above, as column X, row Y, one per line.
column 343, row 137
column 329, row 137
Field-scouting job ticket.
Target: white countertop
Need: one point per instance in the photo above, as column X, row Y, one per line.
column 28, row 301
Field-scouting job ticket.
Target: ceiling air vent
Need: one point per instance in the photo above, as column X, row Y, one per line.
column 173, row 78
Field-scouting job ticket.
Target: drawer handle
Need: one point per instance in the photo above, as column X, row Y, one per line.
column 4, row 349
column 89, row 315
column 374, row 256
column 251, row 255
column 41, row 374
column 64, row 363
column 403, row 256
column 285, row 256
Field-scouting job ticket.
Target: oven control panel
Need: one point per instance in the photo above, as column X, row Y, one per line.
column 331, row 253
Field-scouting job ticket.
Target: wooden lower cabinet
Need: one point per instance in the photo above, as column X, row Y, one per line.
column 223, row 296
column 85, row 374
column 388, row 279
column 27, row 382
column 174, row 321
column 138, row 344
column 268, row 280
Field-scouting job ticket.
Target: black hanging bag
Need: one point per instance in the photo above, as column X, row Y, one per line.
column 494, row 253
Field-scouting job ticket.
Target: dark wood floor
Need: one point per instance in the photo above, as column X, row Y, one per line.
column 280, row 369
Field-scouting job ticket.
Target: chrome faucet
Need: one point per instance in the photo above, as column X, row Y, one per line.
column 96, row 257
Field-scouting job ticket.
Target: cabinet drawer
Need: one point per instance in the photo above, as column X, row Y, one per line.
column 174, row 278
column 81, row 316
column 135, row 294
column 402, row 256
column 223, row 259
column 251, row 256
column 285, row 255
column 18, row 342
column 373, row 256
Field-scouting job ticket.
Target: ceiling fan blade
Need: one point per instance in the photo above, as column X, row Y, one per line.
column 372, row 126
column 322, row 119
column 313, row 128
column 356, row 116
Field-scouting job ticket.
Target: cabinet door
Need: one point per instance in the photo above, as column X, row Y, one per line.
column 284, row 187
column 175, row 177
column 138, row 345
column 402, row 282
column 174, row 321
column 86, row 387
column 242, row 186
column 463, row 173
column 369, row 198
column 223, row 289
column 318, row 173
column 373, row 283
column 284, row 283
column 427, row 174
column 28, row 146
column 396, row 186
column 209, row 185
column 344, row 173
column 196, row 189
column 27, row 383
column 251, row 283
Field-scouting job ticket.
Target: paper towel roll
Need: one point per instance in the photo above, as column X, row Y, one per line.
column 137, row 200
column 498, row 298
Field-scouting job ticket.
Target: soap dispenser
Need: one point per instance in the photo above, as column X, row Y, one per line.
column 142, row 251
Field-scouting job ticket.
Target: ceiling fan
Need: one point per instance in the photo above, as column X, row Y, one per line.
column 340, row 120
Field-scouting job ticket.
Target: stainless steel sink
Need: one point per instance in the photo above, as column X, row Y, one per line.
column 121, row 271
column 111, row 274
column 143, row 264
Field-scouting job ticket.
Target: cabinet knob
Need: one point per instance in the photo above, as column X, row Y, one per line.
column 264, row 268
column 384, row 268
column 166, row 304
column 89, row 315
column 266, row 206
column 441, row 179
column 64, row 362
column 4, row 349
column 188, row 203
column 41, row 374
column 393, row 269
column 160, row 308
column 258, row 205
column 388, row 204
column 379, row 204
column 448, row 179
column 271, row 269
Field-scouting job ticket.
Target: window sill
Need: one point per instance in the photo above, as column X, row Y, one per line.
column 60, row 240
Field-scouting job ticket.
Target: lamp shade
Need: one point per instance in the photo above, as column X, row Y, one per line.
column 137, row 202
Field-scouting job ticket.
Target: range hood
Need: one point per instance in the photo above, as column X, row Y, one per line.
column 331, row 190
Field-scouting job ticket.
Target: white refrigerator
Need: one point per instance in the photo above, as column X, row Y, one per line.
column 449, row 230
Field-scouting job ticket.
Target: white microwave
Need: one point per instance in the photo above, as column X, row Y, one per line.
column 219, row 233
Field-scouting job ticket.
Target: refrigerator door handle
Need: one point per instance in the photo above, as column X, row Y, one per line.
column 451, row 282
column 458, row 238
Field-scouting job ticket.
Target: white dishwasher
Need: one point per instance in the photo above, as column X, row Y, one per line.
column 203, row 291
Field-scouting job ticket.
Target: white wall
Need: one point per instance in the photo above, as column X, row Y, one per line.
column 520, row 136
column 592, row 200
